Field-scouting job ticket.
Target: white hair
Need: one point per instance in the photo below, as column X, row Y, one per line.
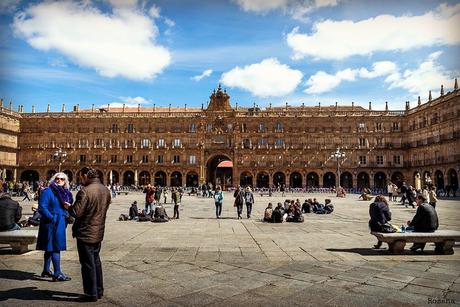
column 61, row 175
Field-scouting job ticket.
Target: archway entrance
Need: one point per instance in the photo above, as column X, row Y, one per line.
column 115, row 177
column 346, row 180
column 191, row 180
column 439, row 180
column 279, row 179
column 397, row 178
column 219, row 171
column 363, row 180
column 380, row 180
column 30, row 176
column 144, row 178
column 128, row 178
column 246, row 179
column 329, row 180
column 452, row 180
column 176, row 179
column 262, row 180
column 312, row 180
column 295, row 181
column 160, row 179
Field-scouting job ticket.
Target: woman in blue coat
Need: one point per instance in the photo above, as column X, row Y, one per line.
column 52, row 231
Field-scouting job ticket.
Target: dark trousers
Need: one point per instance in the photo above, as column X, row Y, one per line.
column 249, row 209
column 176, row 211
column 239, row 209
column 91, row 268
column 218, row 209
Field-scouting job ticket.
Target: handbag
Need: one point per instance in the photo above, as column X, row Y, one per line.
column 387, row 228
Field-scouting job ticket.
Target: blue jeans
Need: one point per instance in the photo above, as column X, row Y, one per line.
column 148, row 207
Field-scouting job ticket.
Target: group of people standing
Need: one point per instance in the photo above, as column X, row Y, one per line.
column 153, row 197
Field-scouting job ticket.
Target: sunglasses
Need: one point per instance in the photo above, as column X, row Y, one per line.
column 59, row 179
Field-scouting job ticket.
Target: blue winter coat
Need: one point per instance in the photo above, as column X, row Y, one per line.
column 52, row 231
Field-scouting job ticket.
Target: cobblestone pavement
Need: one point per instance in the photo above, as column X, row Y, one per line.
column 199, row 260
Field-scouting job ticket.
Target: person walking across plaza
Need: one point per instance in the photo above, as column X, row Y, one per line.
column 176, row 200
column 249, row 200
column 239, row 201
column 432, row 198
column 52, row 206
column 90, row 211
column 218, row 199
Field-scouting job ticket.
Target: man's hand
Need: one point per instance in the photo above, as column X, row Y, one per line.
column 408, row 223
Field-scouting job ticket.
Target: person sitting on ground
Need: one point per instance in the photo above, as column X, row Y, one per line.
column 286, row 204
column 366, row 194
column 425, row 220
column 306, row 207
column 318, row 208
column 380, row 214
column 410, row 196
column 10, row 213
column 160, row 215
column 268, row 213
column 294, row 214
column 290, row 213
column 278, row 213
column 328, row 207
column 341, row 192
column 133, row 211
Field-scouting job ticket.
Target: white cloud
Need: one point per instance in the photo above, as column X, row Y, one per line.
column 117, row 44
column 8, row 6
column 341, row 39
column 129, row 102
column 429, row 75
column 296, row 8
column 205, row 74
column 123, row 3
column 322, row 82
column 169, row 22
column 264, row 79
column 154, row 11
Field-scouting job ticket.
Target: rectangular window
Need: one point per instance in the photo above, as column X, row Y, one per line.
column 246, row 143
column 397, row 160
column 379, row 141
column 160, row 159
column 380, row 160
column 114, row 128
column 145, row 159
column 396, row 126
column 362, row 160
column 97, row 158
column 129, row 143
column 361, row 127
column 82, row 158
column 378, row 126
column 279, row 127
column 161, row 143
column 362, row 142
column 130, row 128
column 243, row 127
column 279, row 143
column 209, row 127
column 192, row 127
column 98, row 142
column 263, row 142
column 129, row 159
column 176, row 143
column 261, row 127
column 145, row 143
column 192, row 159
column 113, row 158
column 176, row 159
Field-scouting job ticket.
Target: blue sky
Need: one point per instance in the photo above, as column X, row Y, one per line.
column 271, row 51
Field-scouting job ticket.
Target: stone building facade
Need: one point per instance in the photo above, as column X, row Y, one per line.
column 231, row 145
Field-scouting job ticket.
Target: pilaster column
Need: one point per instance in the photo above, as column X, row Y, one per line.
column 135, row 177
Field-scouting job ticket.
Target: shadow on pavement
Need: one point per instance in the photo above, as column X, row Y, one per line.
column 17, row 275
column 32, row 293
column 379, row 252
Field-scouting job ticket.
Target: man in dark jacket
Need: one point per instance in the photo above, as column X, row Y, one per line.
column 90, row 211
column 10, row 213
column 425, row 220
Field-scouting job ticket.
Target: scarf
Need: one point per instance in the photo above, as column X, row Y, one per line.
column 63, row 194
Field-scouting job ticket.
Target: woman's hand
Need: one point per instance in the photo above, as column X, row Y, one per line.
column 67, row 205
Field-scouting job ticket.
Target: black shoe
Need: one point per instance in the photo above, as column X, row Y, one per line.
column 61, row 277
column 86, row 299
column 100, row 295
column 47, row 274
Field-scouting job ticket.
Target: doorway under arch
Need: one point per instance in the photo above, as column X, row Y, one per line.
column 219, row 171
column 128, row 178
column 329, row 180
column 176, row 179
column 346, row 180
column 295, row 180
column 439, row 180
column 380, row 180
column 262, row 180
column 144, row 178
column 191, row 180
column 246, row 179
column 30, row 176
column 160, row 179
column 312, row 180
column 279, row 179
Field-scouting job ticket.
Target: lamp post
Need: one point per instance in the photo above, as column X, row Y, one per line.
column 59, row 154
column 338, row 155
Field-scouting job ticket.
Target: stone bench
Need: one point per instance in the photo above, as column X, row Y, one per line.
column 443, row 239
column 19, row 239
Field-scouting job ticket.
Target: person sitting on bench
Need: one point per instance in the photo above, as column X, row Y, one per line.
column 380, row 214
column 10, row 213
column 425, row 220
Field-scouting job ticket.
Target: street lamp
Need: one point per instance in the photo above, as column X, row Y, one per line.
column 338, row 155
column 59, row 154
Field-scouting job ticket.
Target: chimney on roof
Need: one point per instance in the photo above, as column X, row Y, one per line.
column 236, row 106
column 370, row 105
column 11, row 105
column 407, row 105
column 270, row 105
column 22, row 108
column 336, row 105
column 138, row 108
column 429, row 96
column 108, row 107
column 419, row 102
column 154, row 107
column 286, row 106
column 352, row 105
column 303, row 105
column 63, row 108
column 1, row 102
column 455, row 84
column 442, row 90
column 202, row 106
column 386, row 105
column 185, row 107
column 48, row 108
column 123, row 108
column 19, row 108
column 319, row 105
column 169, row 108
column 33, row 109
